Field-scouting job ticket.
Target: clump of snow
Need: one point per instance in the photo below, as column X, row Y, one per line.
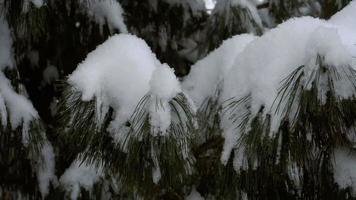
column 103, row 11
column 46, row 169
column 164, row 84
column 117, row 74
column 80, row 175
column 208, row 72
column 344, row 169
column 20, row 109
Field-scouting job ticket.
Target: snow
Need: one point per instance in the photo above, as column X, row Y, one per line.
column 46, row 169
column 260, row 68
column 208, row 72
column 257, row 69
column 103, row 11
column 224, row 7
column 18, row 107
column 345, row 21
column 156, row 171
column 26, row 4
column 209, row 4
column 194, row 195
column 21, row 113
column 37, row 3
column 164, row 84
column 344, row 169
column 117, row 73
column 327, row 42
column 163, row 87
column 80, row 175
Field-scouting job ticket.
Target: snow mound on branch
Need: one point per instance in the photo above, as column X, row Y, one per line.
column 163, row 86
column 80, row 175
column 103, row 11
column 327, row 42
column 119, row 73
column 116, row 73
column 208, row 72
column 344, row 169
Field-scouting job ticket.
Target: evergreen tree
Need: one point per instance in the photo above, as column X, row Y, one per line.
column 259, row 114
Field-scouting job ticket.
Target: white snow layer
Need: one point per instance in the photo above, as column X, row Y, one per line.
column 103, row 11
column 258, row 68
column 119, row 73
column 80, row 175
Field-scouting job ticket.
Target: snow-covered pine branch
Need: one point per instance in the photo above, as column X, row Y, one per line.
column 22, row 136
column 284, row 95
column 121, row 91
